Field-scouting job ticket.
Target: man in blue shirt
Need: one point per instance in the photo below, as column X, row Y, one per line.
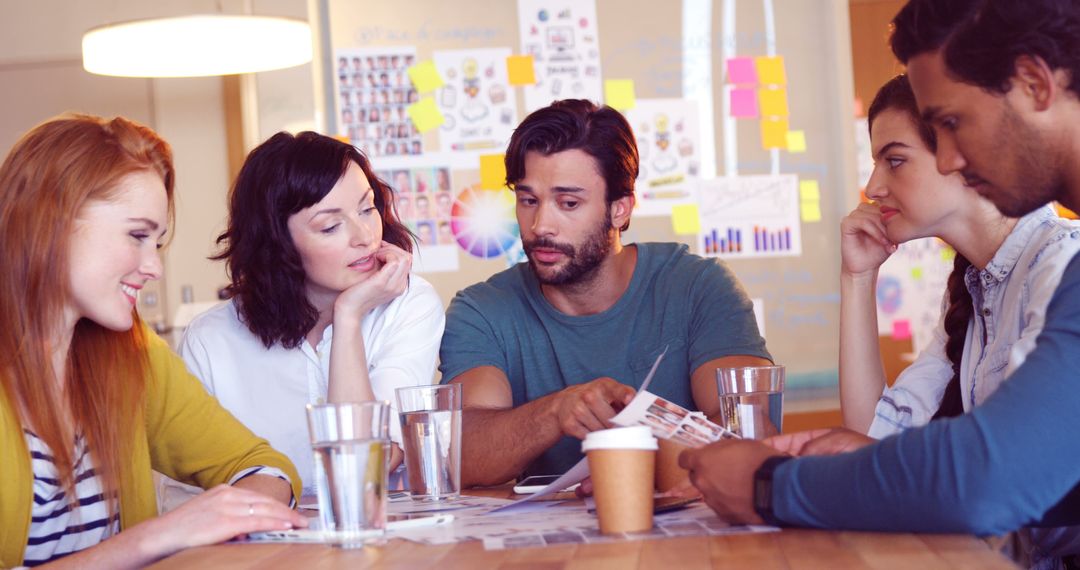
column 549, row 350
column 999, row 81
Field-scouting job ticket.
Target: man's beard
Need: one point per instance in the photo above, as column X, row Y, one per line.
column 582, row 262
column 1036, row 180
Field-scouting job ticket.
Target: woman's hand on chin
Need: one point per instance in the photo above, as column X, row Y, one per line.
column 382, row 286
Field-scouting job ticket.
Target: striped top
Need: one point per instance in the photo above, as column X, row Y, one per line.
column 60, row 526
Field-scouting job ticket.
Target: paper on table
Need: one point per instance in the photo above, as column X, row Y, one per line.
column 580, row 471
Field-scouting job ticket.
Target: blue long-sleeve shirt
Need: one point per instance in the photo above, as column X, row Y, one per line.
column 1013, row 461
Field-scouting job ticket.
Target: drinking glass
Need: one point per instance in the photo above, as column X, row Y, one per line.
column 751, row 400
column 431, row 436
column 351, row 443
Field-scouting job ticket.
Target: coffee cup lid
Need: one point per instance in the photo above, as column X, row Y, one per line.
column 636, row 437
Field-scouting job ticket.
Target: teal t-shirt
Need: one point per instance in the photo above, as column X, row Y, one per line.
column 692, row 305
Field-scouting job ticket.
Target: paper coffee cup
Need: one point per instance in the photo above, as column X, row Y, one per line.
column 668, row 473
column 622, row 464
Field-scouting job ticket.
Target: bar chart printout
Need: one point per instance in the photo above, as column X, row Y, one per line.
column 750, row 216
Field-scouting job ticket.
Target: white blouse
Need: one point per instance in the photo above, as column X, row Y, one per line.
column 267, row 389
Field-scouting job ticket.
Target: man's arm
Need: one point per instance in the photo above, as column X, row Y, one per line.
column 703, row 380
column 499, row 441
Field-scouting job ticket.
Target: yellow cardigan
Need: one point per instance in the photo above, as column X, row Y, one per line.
column 185, row 435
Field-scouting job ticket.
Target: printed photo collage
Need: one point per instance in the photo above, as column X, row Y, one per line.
column 670, row 421
column 424, row 201
column 373, row 92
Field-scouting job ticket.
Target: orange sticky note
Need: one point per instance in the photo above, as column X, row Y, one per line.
column 686, row 219
column 425, row 76
column 796, row 141
column 425, row 114
column 619, row 94
column 521, row 70
column 770, row 70
column 774, row 133
column 492, row 171
column 773, row 102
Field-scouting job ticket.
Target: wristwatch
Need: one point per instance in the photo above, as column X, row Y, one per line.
column 763, row 487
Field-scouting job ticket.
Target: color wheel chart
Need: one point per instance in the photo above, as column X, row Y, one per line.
column 483, row 222
column 750, row 216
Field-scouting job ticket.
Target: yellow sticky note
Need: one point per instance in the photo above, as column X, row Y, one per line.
column 521, row 70
column 685, row 219
column 796, row 141
column 948, row 254
column 619, row 94
column 774, row 133
column 425, row 76
column 770, row 70
column 810, row 211
column 425, row 114
column 492, row 171
column 773, row 102
column 809, row 190
column 916, row 273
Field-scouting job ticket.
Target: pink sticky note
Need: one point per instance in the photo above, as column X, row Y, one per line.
column 741, row 71
column 744, row 103
column 901, row 329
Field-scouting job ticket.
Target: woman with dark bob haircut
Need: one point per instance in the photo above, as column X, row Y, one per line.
column 322, row 306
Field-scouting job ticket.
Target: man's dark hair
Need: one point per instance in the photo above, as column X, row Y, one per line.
column 599, row 131
column 981, row 39
column 280, row 177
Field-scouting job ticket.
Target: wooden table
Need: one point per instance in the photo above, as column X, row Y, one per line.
column 788, row 549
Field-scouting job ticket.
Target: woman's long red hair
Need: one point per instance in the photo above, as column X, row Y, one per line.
column 51, row 173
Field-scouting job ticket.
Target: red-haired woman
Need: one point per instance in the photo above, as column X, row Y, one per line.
column 91, row 400
column 322, row 305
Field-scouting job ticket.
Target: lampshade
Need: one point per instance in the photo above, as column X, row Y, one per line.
column 193, row 46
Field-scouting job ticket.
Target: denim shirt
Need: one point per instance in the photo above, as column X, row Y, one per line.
column 1009, row 296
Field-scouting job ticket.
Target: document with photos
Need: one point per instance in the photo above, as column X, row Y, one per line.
column 670, row 421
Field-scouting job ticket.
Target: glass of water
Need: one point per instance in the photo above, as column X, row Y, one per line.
column 431, row 435
column 351, row 443
column 752, row 400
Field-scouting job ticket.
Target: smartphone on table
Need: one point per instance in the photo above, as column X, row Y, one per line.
column 536, row 483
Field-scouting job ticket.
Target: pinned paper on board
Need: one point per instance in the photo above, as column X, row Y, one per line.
column 686, row 219
column 373, row 92
column 425, row 76
column 744, row 104
column 492, row 171
column 425, row 115
column 911, row 287
column 750, row 216
column 563, row 38
column 619, row 94
column 741, row 71
column 423, row 201
column 796, row 141
column 480, row 108
column 669, row 153
column 521, row 70
column 901, row 329
column 774, row 133
column 773, row 102
column 770, row 70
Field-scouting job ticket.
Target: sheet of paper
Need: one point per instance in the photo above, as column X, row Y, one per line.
column 563, row 37
column 576, row 474
column 741, row 71
column 685, row 219
column 744, row 104
column 425, row 76
column 425, row 115
column 521, row 70
column 479, row 105
column 619, row 94
column 373, row 93
column 670, row 421
column 910, row 288
column 774, row 133
column 770, row 70
column 652, row 371
column 773, row 102
column 423, row 200
column 492, row 171
column 750, row 216
column 669, row 151
column 796, row 141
